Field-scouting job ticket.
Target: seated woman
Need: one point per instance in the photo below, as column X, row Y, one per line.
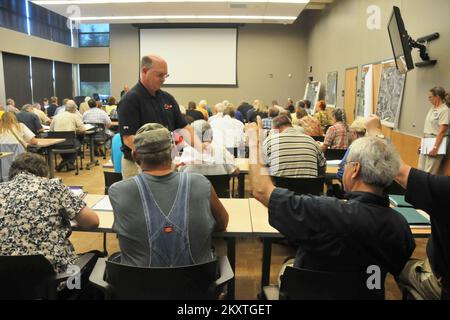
column 322, row 115
column 14, row 132
column 310, row 125
column 214, row 158
column 337, row 135
column 36, row 213
column 111, row 106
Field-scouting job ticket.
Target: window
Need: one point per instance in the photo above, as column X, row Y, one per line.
column 13, row 15
column 94, row 79
column 94, row 35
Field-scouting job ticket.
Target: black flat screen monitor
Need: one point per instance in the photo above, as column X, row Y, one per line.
column 399, row 42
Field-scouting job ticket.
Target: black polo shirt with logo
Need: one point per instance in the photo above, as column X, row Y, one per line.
column 139, row 107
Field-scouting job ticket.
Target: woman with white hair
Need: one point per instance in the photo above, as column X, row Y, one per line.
column 84, row 106
column 214, row 158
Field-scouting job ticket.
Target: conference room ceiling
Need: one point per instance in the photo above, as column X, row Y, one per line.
column 182, row 11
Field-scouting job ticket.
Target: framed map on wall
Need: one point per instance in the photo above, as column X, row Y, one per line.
column 390, row 97
column 365, row 92
column 331, row 92
column 312, row 93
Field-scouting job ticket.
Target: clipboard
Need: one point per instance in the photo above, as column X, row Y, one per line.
column 427, row 145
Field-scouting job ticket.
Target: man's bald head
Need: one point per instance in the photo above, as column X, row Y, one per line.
column 153, row 72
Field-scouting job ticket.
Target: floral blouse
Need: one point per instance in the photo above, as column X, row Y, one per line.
column 35, row 216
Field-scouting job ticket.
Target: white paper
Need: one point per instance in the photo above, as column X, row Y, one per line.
column 89, row 126
column 333, row 163
column 427, row 145
column 103, row 205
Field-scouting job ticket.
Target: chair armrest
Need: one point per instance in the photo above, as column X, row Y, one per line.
column 97, row 275
column 226, row 273
column 81, row 263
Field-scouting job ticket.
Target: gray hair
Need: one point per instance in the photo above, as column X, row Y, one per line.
column 281, row 121
column 71, row 106
column 147, row 62
column 379, row 161
column 220, row 107
column 438, row 92
column 26, row 107
column 203, row 130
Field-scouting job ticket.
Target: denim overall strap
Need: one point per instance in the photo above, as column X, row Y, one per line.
column 168, row 235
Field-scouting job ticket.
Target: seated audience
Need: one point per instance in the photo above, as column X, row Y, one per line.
column 290, row 105
column 41, row 114
column 13, row 132
column 203, row 108
column 322, row 115
column 228, row 131
column 11, row 106
column 429, row 277
column 218, row 108
column 68, row 121
column 259, row 109
column 289, row 153
column 337, row 135
column 310, row 125
column 53, row 106
column 243, row 108
column 112, row 105
column 193, row 113
column 267, row 122
column 36, row 213
column 84, row 106
column 163, row 218
column 214, row 158
column 30, row 119
column 337, row 236
column 308, row 107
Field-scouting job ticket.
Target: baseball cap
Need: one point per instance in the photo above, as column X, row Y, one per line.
column 151, row 138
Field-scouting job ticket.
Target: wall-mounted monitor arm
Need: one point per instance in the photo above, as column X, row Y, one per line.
column 423, row 49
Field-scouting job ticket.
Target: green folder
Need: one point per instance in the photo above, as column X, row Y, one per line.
column 399, row 201
column 412, row 216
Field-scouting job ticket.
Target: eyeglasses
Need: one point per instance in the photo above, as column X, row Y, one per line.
column 161, row 75
column 348, row 162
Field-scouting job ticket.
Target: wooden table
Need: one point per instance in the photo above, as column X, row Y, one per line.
column 239, row 225
column 261, row 228
column 46, row 143
column 3, row 155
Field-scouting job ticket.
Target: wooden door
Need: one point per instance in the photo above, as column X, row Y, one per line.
column 351, row 76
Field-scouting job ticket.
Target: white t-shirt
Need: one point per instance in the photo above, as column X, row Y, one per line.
column 23, row 133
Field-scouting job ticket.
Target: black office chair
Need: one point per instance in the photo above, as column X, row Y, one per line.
column 206, row 281
column 335, row 154
column 110, row 178
column 70, row 145
column 395, row 188
column 221, row 184
column 300, row 186
column 318, row 138
column 303, row 284
column 100, row 136
column 33, row 277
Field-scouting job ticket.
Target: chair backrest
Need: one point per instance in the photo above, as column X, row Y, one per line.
column 70, row 137
column 303, row 284
column 110, row 178
column 335, row 154
column 300, row 186
column 395, row 188
column 6, row 162
column 100, row 132
column 318, row 138
column 26, row 277
column 221, row 184
column 176, row 283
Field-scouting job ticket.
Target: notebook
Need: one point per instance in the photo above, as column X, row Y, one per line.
column 399, row 201
column 413, row 216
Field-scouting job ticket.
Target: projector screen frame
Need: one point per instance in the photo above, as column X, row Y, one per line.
column 192, row 26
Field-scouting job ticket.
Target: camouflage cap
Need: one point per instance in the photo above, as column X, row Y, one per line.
column 151, row 138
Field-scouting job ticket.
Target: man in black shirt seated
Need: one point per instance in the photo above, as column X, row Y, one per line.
column 430, row 277
column 343, row 236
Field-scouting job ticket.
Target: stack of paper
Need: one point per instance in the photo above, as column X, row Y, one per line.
column 103, row 205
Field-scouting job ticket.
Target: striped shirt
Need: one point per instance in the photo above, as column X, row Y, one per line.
column 292, row 154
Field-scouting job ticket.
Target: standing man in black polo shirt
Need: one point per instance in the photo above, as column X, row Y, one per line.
column 145, row 103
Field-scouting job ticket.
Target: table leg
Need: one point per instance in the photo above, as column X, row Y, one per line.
column 241, row 185
column 50, row 162
column 267, row 256
column 93, row 161
column 231, row 253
